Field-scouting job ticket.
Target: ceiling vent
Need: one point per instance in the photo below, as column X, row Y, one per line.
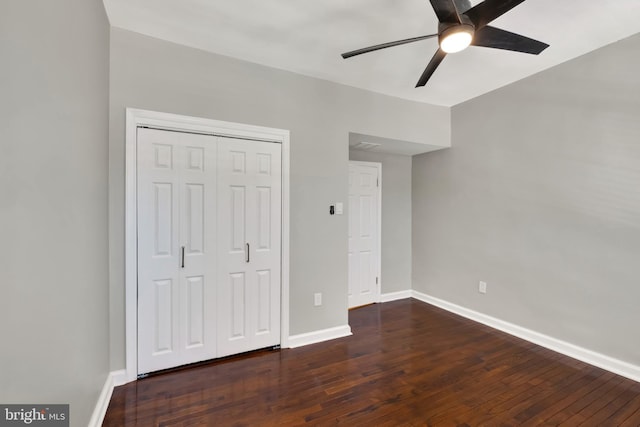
column 365, row 146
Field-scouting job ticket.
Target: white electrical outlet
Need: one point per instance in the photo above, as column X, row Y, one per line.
column 317, row 299
column 482, row 287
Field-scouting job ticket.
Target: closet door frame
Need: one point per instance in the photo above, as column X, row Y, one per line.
column 136, row 118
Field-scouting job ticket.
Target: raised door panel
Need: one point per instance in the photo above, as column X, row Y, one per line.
column 264, row 210
column 162, row 217
column 366, row 275
column 237, row 290
column 195, row 160
column 265, row 307
column 366, row 225
column 163, row 316
column 194, row 310
column 237, row 218
column 194, row 218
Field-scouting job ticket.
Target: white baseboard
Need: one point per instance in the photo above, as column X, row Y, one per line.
column 393, row 296
column 585, row 355
column 319, row 336
column 119, row 377
column 114, row 379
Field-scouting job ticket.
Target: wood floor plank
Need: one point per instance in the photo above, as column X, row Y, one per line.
column 626, row 413
column 533, row 390
column 407, row 364
column 620, row 401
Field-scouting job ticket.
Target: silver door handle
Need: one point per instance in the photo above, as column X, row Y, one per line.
column 248, row 249
column 182, row 258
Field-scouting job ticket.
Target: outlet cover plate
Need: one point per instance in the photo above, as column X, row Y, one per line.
column 482, row 287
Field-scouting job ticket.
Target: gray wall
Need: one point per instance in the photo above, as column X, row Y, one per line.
column 151, row 74
column 540, row 196
column 53, row 216
column 396, row 218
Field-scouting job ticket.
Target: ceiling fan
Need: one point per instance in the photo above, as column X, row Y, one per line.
column 461, row 25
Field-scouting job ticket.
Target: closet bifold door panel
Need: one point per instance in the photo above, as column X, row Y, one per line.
column 249, row 222
column 176, row 215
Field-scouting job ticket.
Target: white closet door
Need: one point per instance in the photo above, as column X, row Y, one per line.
column 364, row 217
column 176, row 249
column 249, row 189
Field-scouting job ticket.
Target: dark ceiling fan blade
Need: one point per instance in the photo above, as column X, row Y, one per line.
column 485, row 12
column 431, row 67
column 385, row 45
column 463, row 5
column 445, row 10
column 500, row 39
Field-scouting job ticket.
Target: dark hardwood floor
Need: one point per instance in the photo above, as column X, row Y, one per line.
column 408, row 363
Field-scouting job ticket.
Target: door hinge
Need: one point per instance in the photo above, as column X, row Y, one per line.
column 376, row 280
column 377, row 182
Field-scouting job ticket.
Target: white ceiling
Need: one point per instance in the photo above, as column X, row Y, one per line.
column 308, row 36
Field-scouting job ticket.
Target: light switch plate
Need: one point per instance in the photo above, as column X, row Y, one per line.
column 339, row 208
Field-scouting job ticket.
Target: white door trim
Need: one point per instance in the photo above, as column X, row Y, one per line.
column 136, row 118
column 378, row 165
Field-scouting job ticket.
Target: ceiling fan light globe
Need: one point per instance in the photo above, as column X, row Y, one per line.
column 456, row 38
column 456, row 42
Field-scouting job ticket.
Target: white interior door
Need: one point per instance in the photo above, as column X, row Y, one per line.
column 176, row 249
column 249, row 221
column 364, row 233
